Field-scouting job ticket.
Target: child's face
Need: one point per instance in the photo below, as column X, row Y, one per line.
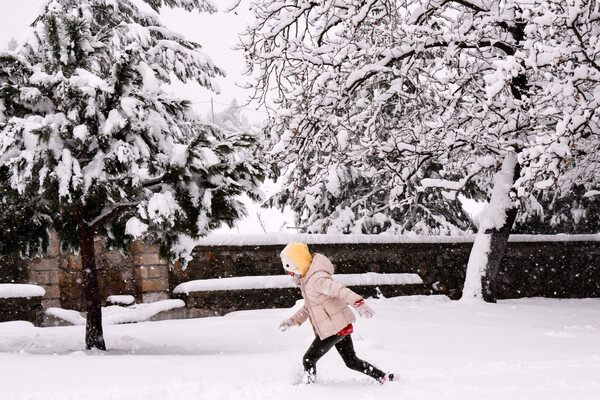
column 295, row 278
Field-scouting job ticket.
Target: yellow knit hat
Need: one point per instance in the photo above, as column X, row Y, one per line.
column 299, row 254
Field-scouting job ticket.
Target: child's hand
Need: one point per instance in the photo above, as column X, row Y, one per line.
column 363, row 309
column 286, row 324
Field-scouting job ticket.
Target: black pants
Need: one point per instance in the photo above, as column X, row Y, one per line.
column 344, row 346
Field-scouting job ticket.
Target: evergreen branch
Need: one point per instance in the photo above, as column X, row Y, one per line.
column 155, row 181
column 106, row 216
column 366, row 197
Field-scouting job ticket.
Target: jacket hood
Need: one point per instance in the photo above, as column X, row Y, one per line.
column 299, row 256
column 320, row 263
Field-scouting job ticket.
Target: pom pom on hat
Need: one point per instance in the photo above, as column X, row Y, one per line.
column 296, row 258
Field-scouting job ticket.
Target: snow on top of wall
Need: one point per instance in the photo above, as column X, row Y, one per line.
column 119, row 315
column 121, row 299
column 284, row 281
column 71, row 316
column 138, row 312
column 237, row 283
column 285, row 238
column 9, row 290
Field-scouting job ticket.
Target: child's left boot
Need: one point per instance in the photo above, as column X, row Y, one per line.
column 387, row 377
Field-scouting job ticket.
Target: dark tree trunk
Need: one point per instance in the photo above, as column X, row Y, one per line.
column 499, row 237
column 94, row 337
column 498, row 240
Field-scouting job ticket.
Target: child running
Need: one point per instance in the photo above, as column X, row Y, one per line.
column 326, row 305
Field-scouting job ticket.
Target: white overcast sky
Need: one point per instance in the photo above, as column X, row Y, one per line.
column 217, row 33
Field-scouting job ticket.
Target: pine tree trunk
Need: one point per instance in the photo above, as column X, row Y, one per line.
column 94, row 337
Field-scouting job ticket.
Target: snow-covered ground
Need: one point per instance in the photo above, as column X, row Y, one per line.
column 518, row 349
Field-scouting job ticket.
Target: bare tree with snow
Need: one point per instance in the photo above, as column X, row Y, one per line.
column 384, row 111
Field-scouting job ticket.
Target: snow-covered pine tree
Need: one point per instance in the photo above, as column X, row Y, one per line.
column 373, row 93
column 232, row 120
column 92, row 144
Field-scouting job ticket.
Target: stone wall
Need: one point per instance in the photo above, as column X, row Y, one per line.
column 220, row 302
column 441, row 265
column 551, row 268
column 151, row 272
column 21, row 309
column 116, row 276
column 142, row 274
column 45, row 272
column 13, row 270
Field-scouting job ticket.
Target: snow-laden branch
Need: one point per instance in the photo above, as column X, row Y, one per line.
column 110, row 212
column 461, row 79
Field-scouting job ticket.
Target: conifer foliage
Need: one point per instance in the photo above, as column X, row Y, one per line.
column 91, row 143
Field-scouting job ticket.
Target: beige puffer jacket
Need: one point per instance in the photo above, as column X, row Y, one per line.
column 325, row 300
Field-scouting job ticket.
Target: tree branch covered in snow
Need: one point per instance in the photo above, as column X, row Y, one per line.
column 373, row 102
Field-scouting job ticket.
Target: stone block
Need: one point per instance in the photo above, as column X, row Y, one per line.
column 151, row 297
column 52, row 321
column 139, row 247
column 148, row 259
column 141, row 272
column 44, row 264
column 63, row 263
column 221, row 302
column 158, row 271
column 44, row 277
column 47, row 303
column 54, row 248
column 53, row 277
column 35, row 277
column 21, row 309
column 154, row 285
column 152, row 271
column 200, row 313
column 114, row 257
column 176, row 313
column 52, row 291
column 74, row 262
